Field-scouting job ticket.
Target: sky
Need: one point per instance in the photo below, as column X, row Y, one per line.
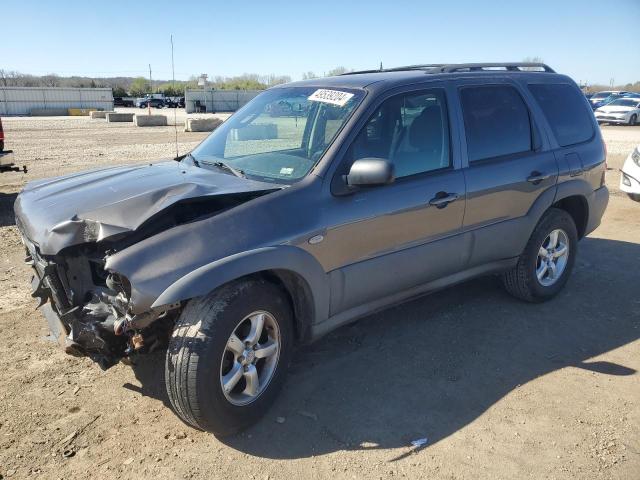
column 592, row 42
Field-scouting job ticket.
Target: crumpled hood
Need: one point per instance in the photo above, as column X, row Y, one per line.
column 91, row 206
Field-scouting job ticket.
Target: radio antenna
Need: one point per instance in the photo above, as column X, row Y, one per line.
column 173, row 73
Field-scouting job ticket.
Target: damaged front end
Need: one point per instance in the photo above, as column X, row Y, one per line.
column 88, row 308
column 73, row 226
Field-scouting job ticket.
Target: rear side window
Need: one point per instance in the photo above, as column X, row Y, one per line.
column 566, row 112
column 496, row 122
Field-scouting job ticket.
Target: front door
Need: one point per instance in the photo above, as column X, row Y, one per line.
column 387, row 239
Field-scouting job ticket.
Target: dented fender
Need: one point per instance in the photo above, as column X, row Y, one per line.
column 285, row 257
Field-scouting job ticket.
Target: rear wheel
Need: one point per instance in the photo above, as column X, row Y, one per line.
column 546, row 263
column 632, row 119
column 228, row 356
column 634, row 196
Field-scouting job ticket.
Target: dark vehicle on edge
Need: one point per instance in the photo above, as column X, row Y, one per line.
column 6, row 156
column 123, row 102
column 392, row 184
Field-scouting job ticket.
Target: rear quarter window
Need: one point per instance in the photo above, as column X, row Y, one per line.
column 566, row 111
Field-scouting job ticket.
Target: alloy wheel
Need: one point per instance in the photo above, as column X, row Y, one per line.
column 552, row 257
column 250, row 358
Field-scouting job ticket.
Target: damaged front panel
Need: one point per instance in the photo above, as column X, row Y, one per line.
column 70, row 233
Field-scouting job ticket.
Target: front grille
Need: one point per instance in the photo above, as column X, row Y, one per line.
column 47, row 272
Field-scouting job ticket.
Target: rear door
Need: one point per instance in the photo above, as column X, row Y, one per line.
column 578, row 150
column 384, row 240
column 507, row 169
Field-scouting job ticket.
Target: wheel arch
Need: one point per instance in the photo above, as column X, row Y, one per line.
column 295, row 270
column 578, row 207
column 572, row 197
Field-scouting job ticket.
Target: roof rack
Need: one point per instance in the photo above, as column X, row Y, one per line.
column 425, row 66
column 468, row 67
column 509, row 66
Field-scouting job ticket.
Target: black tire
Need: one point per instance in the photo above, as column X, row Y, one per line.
column 521, row 281
column 634, row 196
column 632, row 120
column 196, row 349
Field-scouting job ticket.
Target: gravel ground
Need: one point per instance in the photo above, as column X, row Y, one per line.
column 499, row 388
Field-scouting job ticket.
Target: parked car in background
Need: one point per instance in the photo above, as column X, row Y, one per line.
column 1, row 136
column 599, row 97
column 630, row 175
column 123, row 102
column 181, row 102
column 605, row 101
column 6, row 156
column 622, row 110
column 169, row 103
column 264, row 239
column 154, row 102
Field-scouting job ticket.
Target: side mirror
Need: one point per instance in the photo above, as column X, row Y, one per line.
column 368, row 172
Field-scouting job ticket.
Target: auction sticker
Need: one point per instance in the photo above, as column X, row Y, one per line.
column 334, row 97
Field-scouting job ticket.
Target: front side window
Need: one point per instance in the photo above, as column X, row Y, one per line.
column 281, row 134
column 569, row 117
column 496, row 122
column 409, row 130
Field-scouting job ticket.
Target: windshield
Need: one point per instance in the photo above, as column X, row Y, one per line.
column 601, row 95
column 625, row 102
column 281, row 134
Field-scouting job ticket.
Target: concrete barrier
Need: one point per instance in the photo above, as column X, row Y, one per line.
column 97, row 114
column 49, row 112
column 201, row 124
column 80, row 112
column 150, row 120
column 119, row 117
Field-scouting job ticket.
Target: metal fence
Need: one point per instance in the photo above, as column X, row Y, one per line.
column 218, row 100
column 22, row 100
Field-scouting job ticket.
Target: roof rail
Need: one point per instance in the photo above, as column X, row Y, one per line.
column 468, row 67
column 426, row 66
column 510, row 66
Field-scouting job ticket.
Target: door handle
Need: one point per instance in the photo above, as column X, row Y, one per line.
column 442, row 199
column 537, row 177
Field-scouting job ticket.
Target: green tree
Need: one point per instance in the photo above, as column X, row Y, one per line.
column 119, row 91
column 139, row 87
column 171, row 90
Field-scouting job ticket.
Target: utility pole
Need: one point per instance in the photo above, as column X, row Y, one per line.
column 150, row 86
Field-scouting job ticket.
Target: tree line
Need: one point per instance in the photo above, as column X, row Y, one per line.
column 140, row 86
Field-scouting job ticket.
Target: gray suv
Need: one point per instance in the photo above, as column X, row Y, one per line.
column 368, row 189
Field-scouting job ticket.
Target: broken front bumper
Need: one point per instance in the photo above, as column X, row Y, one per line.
column 86, row 330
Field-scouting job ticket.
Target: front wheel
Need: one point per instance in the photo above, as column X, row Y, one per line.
column 546, row 263
column 228, row 356
column 632, row 119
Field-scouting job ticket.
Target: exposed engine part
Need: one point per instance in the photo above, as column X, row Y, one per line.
column 129, row 323
column 137, row 341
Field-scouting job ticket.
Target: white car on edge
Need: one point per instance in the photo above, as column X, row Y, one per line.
column 623, row 110
column 630, row 175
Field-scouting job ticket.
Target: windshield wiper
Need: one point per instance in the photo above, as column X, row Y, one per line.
column 226, row 166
